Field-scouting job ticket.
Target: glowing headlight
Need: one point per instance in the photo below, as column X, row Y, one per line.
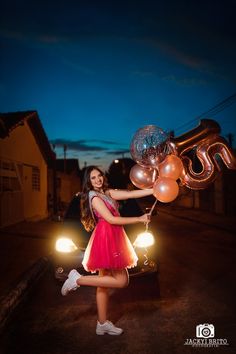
column 145, row 239
column 65, row 245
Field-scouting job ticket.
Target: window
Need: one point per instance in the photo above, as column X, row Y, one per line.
column 5, row 183
column 8, row 165
column 35, row 179
column 9, row 179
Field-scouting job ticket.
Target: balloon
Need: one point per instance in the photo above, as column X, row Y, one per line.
column 171, row 167
column 187, row 141
column 149, row 146
column 207, row 154
column 206, row 144
column 143, row 177
column 165, row 189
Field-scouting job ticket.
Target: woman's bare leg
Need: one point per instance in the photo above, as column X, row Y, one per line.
column 117, row 279
column 102, row 298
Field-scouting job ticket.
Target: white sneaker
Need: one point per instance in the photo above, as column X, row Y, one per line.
column 70, row 283
column 108, row 328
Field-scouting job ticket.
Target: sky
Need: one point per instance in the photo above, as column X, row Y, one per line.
column 97, row 71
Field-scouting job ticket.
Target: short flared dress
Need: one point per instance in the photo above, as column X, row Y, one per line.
column 109, row 246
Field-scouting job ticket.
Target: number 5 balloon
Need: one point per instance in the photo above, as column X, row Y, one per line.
column 206, row 144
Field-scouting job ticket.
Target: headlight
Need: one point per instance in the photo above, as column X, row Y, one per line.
column 66, row 245
column 145, row 239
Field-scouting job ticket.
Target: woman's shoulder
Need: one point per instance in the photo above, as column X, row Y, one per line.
column 92, row 194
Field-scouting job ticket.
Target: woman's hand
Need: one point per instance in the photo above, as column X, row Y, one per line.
column 145, row 218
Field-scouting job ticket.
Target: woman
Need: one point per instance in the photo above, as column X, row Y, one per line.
column 109, row 250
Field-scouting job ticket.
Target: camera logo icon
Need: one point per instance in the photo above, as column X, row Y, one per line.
column 205, row 330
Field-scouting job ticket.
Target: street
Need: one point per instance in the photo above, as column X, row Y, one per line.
column 159, row 313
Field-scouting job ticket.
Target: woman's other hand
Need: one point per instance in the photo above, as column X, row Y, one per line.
column 145, row 218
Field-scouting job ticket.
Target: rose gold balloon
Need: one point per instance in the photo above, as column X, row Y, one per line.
column 187, row 141
column 165, row 189
column 142, row 177
column 206, row 144
column 171, row 167
column 207, row 153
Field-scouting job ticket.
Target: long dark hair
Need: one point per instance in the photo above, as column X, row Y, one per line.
column 86, row 215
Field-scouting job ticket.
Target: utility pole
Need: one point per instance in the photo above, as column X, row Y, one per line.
column 65, row 148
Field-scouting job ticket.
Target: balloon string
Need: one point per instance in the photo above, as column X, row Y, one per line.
column 146, row 257
column 150, row 213
column 152, row 208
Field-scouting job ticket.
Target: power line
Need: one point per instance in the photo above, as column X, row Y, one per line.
column 213, row 111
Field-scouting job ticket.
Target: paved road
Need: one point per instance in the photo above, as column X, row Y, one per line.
column 195, row 285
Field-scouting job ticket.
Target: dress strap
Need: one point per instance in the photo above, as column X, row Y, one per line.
column 92, row 194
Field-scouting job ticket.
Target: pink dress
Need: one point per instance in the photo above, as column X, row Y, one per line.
column 109, row 246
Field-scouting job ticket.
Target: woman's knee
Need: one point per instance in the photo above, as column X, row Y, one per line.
column 102, row 290
column 123, row 279
column 125, row 282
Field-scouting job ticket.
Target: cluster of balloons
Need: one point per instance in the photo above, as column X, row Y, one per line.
column 162, row 160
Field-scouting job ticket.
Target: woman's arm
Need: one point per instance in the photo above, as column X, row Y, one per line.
column 101, row 208
column 125, row 194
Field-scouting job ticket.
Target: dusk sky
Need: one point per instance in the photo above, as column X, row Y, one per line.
column 96, row 71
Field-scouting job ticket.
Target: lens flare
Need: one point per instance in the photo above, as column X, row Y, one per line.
column 144, row 240
column 65, row 245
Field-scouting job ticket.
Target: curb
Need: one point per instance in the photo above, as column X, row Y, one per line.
column 15, row 296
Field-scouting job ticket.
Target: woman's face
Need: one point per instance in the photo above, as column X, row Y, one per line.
column 96, row 179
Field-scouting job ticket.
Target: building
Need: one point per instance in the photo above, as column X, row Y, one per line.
column 68, row 182
column 26, row 158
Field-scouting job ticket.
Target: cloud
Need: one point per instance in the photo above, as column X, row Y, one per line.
column 141, row 73
column 87, row 146
column 90, row 150
column 196, row 35
column 184, row 81
column 79, row 68
column 79, row 145
column 108, row 142
column 177, row 52
column 50, row 39
column 10, row 34
column 118, row 152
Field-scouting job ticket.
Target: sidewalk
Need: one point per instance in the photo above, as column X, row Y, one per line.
column 24, row 256
column 22, row 245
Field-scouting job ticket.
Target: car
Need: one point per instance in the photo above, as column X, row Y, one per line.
column 71, row 243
